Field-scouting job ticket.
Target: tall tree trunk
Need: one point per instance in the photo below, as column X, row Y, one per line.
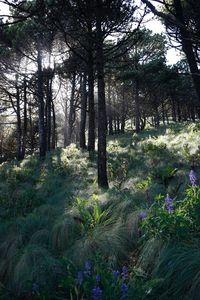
column 91, row 114
column 31, row 128
column 123, row 118
column 188, row 47
column 102, row 120
column 48, row 111
column 19, row 127
column 110, row 119
column 25, row 121
column 163, row 113
column 83, row 111
column 54, row 141
column 137, row 109
column 40, row 96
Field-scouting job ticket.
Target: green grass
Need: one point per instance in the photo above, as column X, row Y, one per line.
column 41, row 221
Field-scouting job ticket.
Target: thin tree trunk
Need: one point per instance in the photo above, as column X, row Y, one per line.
column 83, row 111
column 91, row 115
column 19, row 127
column 137, row 109
column 25, row 121
column 54, row 141
column 42, row 132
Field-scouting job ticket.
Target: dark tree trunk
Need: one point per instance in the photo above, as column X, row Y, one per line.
column 40, row 96
column 54, row 141
column 48, row 112
column 137, row 109
column 163, row 113
column 178, row 111
column 31, row 129
column 102, row 120
column 110, row 119
column 91, row 114
column 123, row 118
column 173, row 110
column 83, row 111
column 188, row 47
column 19, row 125
column 25, row 121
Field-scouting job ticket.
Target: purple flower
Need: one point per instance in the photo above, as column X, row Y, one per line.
column 142, row 215
column 169, row 204
column 88, row 266
column 124, row 291
column 115, row 274
column 193, row 178
column 97, row 279
column 96, row 293
column 125, row 273
column 79, row 278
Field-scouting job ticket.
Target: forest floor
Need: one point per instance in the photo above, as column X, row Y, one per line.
column 54, row 220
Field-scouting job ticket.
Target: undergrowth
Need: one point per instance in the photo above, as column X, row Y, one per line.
column 54, row 218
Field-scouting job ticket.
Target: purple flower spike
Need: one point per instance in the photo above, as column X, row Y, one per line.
column 96, row 293
column 169, row 204
column 125, row 273
column 193, row 178
column 115, row 274
column 88, row 266
column 97, row 279
column 79, row 278
column 124, row 291
column 142, row 215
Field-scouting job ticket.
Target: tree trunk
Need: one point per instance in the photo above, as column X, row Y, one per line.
column 40, row 96
column 137, row 109
column 19, row 127
column 91, row 115
column 48, row 110
column 83, row 111
column 54, row 141
column 188, row 47
column 25, row 121
column 110, row 119
column 102, row 120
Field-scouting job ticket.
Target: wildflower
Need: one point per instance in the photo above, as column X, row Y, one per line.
column 97, row 278
column 35, row 289
column 115, row 274
column 124, row 273
column 79, row 278
column 193, row 178
column 88, row 266
column 169, row 204
column 142, row 215
column 96, row 293
column 124, row 291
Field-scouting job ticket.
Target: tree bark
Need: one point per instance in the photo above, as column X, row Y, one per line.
column 102, row 120
column 25, row 121
column 40, row 96
column 19, row 127
column 83, row 111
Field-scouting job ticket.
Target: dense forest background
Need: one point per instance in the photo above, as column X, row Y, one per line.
column 99, row 150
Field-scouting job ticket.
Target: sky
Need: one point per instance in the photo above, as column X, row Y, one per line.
column 153, row 24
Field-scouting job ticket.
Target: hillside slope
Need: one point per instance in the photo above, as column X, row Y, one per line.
column 53, row 215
